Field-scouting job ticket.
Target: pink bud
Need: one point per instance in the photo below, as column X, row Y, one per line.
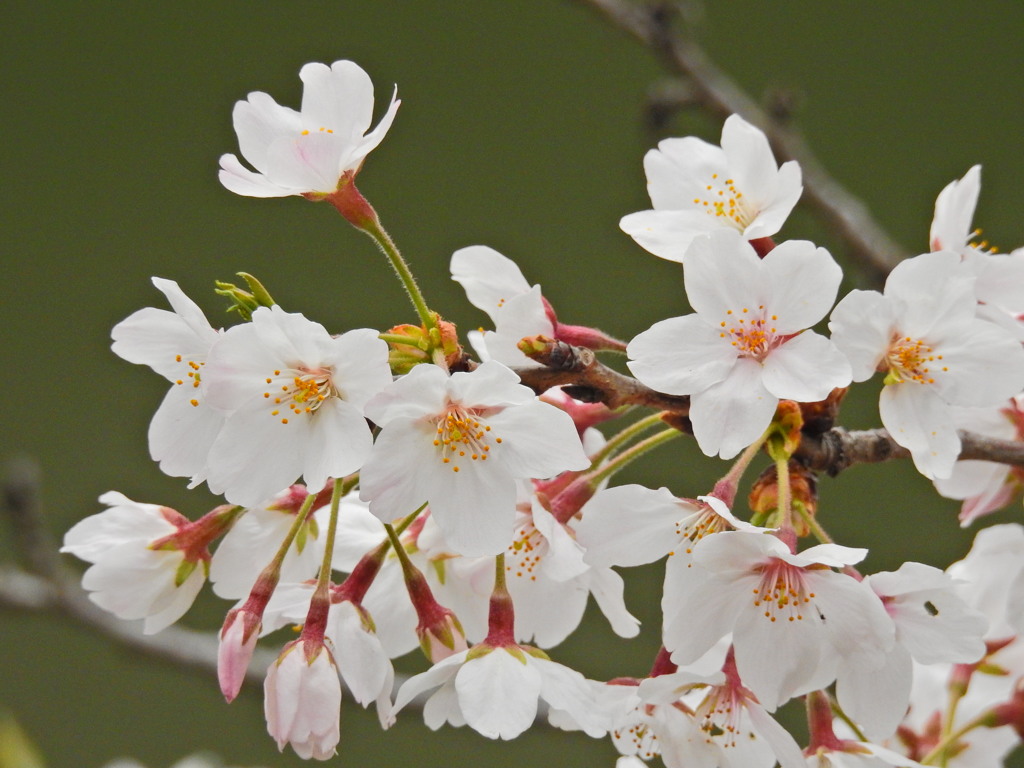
column 443, row 638
column 237, row 643
column 302, row 701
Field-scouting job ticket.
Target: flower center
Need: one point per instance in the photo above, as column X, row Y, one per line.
column 692, row 528
column 526, row 551
column 782, row 592
column 724, row 201
column 461, row 435
column 300, row 391
column 192, row 368
column 912, row 360
column 721, row 717
column 320, row 130
column 750, row 332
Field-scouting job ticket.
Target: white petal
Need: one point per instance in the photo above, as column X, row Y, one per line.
column 681, row 356
column 489, row 278
column 630, row 525
column 498, row 694
column 921, row 422
column 732, row 414
column 805, row 368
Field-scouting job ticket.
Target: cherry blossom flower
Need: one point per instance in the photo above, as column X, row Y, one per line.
column 745, row 348
column 296, row 395
column 175, row 345
column 495, row 690
column 933, row 625
column 999, row 278
column 139, row 571
column 460, row 442
column 697, row 188
column 792, row 619
column 302, row 700
column 310, row 151
column 923, row 332
column 985, row 486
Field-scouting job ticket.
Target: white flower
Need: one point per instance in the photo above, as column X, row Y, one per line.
column 175, row 345
column 495, row 284
column 496, row 691
column 922, row 330
column 999, row 285
column 991, row 579
column 134, row 575
column 460, row 442
column 302, row 701
column 985, row 486
column 697, row 188
column 933, row 625
column 791, row 618
column 296, row 397
column 306, row 152
column 745, row 348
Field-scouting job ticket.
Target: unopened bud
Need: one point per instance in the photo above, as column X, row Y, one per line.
column 237, row 643
column 442, row 638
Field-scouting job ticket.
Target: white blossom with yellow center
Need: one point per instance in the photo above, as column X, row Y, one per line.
column 746, row 346
column 923, row 333
column 295, row 395
column 460, row 442
column 697, row 188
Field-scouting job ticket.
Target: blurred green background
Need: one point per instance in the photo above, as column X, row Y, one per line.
column 522, row 127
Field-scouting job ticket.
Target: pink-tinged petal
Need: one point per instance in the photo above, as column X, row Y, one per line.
column 498, row 694
column 877, row 699
column 421, row 392
column 489, row 278
column 234, row 653
column 732, row 414
column 538, row 440
column 862, row 326
column 307, row 162
column 954, row 210
column 630, row 525
column 981, row 365
column 805, row 368
column 667, row 234
column 725, row 276
column 681, row 355
column 804, row 281
column 990, row 500
column 338, row 98
column 920, row 421
column 126, row 521
column 931, row 293
column 240, row 180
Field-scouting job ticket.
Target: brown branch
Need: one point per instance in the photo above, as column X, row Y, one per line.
column 707, row 86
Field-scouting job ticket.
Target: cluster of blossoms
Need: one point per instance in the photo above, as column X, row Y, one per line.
column 386, row 490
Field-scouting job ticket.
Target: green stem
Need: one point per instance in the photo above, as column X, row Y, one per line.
column 627, row 434
column 323, row 581
column 939, row 752
column 632, row 454
column 735, row 474
column 815, row 527
column 300, row 520
column 380, row 236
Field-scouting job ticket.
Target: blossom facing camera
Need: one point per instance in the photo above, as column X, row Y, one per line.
column 307, row 152
column 697, row 188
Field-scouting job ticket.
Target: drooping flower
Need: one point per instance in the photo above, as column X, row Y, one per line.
column 697, row 188
column 140, row 570
column 296, row 396
column 922, row 331
column 308, row 152
column 460, row 442
column 175, row 345
column 496, row 690
column 746, row 346
column 302, row 700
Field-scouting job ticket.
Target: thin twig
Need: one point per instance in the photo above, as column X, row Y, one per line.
column 706, row 85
